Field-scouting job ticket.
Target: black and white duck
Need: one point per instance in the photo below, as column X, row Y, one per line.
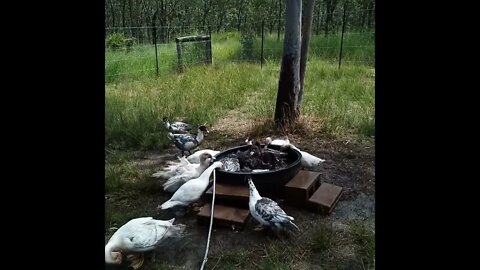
column 267, row 212
column 188, row 142
column 177, row 126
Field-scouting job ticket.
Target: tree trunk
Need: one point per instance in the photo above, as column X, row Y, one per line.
column 370, row 15
column 306, row 32
column 112, row 11
column 162, row 21
column 123, row 17
column 220, row 22
column 279, row 18
column 205, row 12
column 330, row 8
column 289, row 82
column 132, row 30
column 240, row 15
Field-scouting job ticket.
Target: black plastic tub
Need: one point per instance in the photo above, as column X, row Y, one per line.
column 270, row 183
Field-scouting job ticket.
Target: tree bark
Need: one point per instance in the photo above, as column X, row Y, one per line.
column 289, row 82
column 132, row 30
column 112, row 9
column 240, row 15
column 306, row 32
column 279, row 18
column 124, row 3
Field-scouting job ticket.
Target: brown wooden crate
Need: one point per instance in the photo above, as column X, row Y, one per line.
column 224, row 216
column 301, row 187
column 231, row 195
column 325, row 198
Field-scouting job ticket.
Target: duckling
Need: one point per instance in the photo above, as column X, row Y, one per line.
column 187, row 142
column 175, row 182
column 231, row 164
column 263, row 159
column 177, row 127
column 245, row 158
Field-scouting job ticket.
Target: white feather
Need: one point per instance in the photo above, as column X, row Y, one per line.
column 195, row 157
column 308, row 160
column 140, row 235
column 192, row 190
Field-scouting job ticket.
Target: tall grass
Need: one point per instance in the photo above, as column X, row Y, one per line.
column 139, row 63
column 203, row 94
column 136, row 102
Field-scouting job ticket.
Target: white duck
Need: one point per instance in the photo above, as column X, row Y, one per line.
column 278, row 142
column 177, row 127
column 308, row 160
column 267, row 212
column 188, row 142
column 182, row 161
column 181, row 167
column 137, row 236
column 195, row 157
column 177, row 181
column 174, row 169
column 192, row 190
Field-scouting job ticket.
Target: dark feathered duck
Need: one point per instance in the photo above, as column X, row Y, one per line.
column 267, row 212
column 188, row 142
column 177, row 126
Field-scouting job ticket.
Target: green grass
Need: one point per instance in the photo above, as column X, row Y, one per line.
column 274, row 255
column 341, row 99
column 364, row 240
column 322, row 237
column 136, row 102
column 139, row 63
column 122, row 175
column 357, row 47
column 134, row 109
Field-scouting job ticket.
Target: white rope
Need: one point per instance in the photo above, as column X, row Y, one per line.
column 205, row 258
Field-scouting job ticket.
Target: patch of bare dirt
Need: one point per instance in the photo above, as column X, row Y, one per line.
column 349, row 164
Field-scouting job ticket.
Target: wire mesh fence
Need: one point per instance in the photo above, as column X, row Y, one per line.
column 136, row 52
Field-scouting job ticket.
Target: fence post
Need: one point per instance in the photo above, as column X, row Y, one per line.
column 208, row 48
column 179, row 54
column 344, row 21
column 155, row 39
column 263, row 38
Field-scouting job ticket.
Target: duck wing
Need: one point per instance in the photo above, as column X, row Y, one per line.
column 181, row 125
column 271, row 212
column 188, row 192
column 184, row 139
column 174, row 183
column 143, row 234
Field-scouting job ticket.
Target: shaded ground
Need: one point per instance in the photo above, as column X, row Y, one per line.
column 342, row 240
